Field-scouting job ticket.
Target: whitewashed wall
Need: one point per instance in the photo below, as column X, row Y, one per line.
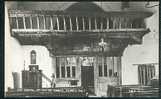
column 13, row 55
column 16, row 56
column 43, row 59
column 147, row 52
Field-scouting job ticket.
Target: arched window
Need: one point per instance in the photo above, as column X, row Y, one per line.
column 33, row 57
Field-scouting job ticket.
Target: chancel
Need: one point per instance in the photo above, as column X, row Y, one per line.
column 83, row 42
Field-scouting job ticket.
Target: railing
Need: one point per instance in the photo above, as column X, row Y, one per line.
column 40, row 22
column 61, row 91
column 132, row 90
column 44, row 76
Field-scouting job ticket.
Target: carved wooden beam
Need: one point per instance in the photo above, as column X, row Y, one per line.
column 63, row 49
column 134, row 14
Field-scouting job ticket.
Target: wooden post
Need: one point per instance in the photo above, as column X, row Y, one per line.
column 142, row 69
column 17, row 22
column 60, row 67
column 71, row 71
column 78, row 67
column 83, row 23
column 120, row 22
column 145, row 75
column 57, row 20
column 142, row 75
column 108, row 64
column 24, row 23
column 65, row 66
column 153, row 71
column 101, row 23
column 31, row 21
column 54, row 62
column 89, row 23
column 120, row 70
column 96, row 72
column 107, row 23
column 51, row 22
column 147, row 68
column 95, row 23
column 71, row 27
column 115, row 64
column 64, row 23
column 105, row 63
column 139, row 76
column 44, row 22
column 131, row 23
column 112, row 66
column 77, row 23
column 37, row 22
column 102, row 66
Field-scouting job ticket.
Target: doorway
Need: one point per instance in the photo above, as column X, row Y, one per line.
column 87, row 78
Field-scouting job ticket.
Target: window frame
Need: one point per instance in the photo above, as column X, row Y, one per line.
column 32, row 59
column 60, row 65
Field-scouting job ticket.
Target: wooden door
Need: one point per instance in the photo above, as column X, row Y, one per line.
column 87, row 77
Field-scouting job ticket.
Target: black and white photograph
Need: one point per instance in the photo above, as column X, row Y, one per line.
column 81, row 49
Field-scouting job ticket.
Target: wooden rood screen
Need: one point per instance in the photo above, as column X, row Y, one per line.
column 66, row 65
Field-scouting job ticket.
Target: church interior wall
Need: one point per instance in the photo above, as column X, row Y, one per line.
column 145, row 53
